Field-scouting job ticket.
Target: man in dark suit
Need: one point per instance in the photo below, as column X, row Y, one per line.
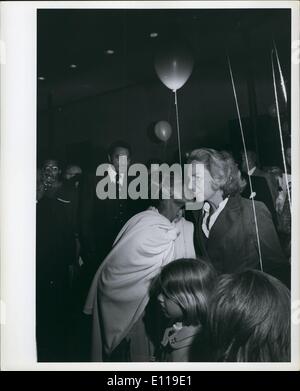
column 55, row 254
column 225, row 229
column 101, row 216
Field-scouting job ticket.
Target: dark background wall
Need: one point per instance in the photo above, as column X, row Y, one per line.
column 78, row 119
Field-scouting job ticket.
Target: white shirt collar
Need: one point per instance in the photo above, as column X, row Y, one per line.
column 250, row 172
column 213, row 217
column 113, row 173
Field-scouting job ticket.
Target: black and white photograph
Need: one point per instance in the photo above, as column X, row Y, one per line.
column 163, row 188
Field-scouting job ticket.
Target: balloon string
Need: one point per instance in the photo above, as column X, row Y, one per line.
column 169, row 111
column 280, row 131
column 247, row 162
column 178, row 131
column 164, row 150
column 280, row 73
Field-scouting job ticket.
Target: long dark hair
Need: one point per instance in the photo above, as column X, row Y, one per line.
column 188, row 282
column 250, row 319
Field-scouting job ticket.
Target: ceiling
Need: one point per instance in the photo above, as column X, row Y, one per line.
column 82, row 37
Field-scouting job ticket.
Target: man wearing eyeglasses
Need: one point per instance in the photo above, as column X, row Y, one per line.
column 55, row 253
column 49, row 181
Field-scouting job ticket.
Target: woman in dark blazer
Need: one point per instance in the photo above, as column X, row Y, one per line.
column 225, row 229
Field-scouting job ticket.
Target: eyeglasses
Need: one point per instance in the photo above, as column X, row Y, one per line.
column 51, row 168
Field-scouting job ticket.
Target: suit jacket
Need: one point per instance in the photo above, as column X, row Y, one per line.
column 232, row 243
column 263, row 193
column 55, row 234
column 55, row 252
column 271, row 183
column 101, row 220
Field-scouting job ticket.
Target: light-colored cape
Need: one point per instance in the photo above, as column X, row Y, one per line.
column 120, row 289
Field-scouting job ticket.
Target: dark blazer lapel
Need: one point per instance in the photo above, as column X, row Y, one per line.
column 221, row 224
column 200, row 239
column 258, row 172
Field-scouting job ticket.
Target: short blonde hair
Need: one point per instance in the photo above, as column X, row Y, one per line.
column 222, row 168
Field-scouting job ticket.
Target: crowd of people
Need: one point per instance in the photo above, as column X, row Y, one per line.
column 123, row 280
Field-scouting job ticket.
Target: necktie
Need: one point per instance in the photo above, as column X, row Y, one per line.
column 208, row 210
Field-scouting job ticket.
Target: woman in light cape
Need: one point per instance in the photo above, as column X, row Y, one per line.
column 119, row 292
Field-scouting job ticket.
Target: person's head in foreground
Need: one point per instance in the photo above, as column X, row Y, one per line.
column 213, row 175
column 184, row 287
column 249, row 319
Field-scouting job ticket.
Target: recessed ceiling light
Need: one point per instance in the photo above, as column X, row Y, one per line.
column 109, row 51
column 41, row 78
column 73, row 66
column 153, row 35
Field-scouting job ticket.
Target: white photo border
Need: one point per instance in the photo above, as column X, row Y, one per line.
column 18, row 183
